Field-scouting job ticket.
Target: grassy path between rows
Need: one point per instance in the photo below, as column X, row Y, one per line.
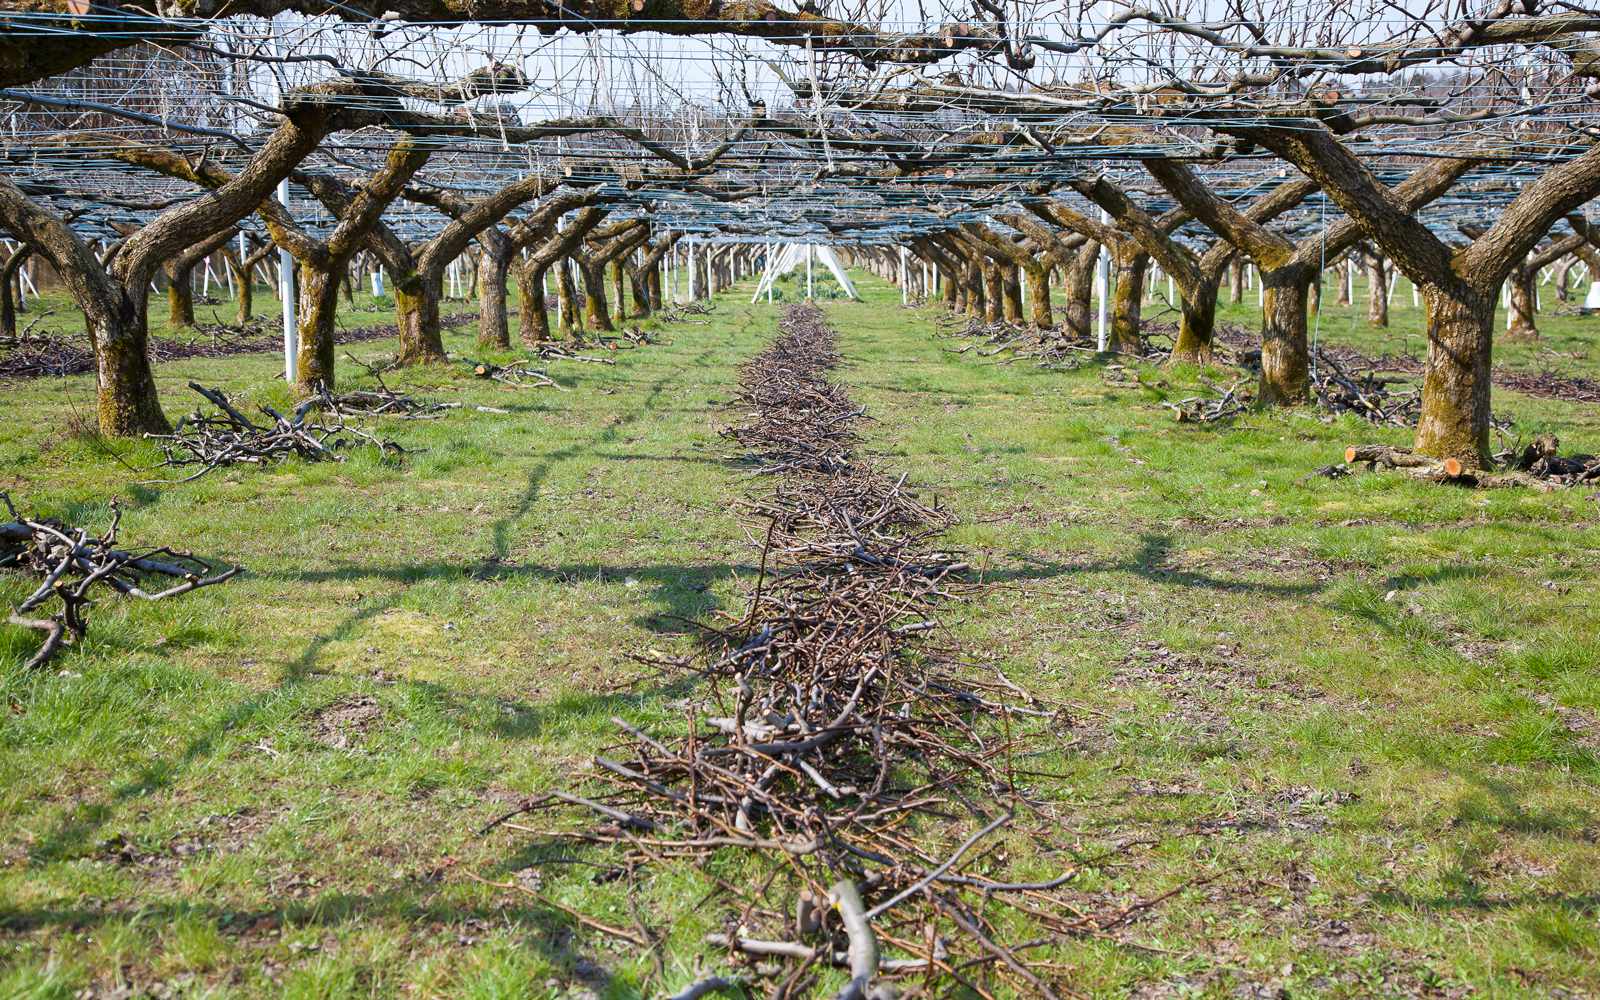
column 1375, row 705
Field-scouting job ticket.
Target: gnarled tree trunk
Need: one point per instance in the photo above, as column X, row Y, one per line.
column 1079, row 290
column 1377, row 291
column 1456, row 386
column 8, row 278
column 1520, row 324
column 1285, row 365
column 417, row 309
column 1197, row 322
column 494, row 325
column 1131, row 262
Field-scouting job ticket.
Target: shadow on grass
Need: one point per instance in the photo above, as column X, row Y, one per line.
column 417, row 909
column 1151, row 561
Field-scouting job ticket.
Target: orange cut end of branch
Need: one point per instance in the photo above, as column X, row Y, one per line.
column 1350, row 454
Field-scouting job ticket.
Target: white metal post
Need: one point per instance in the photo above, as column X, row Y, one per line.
column 904, row 279
column 291, row 330
column 808, row 270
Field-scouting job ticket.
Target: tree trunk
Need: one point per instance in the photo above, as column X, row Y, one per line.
column 1013, row 292
column 595, row 314
column 1038, row 279
column 1197, row 322
column 1455, row 391
column 317, row 308
column 652, row 285
column 127, row 404
column 567, row 296
column 1131, row 260
column 534, row 321
column 1377, row 292
column 244, row 283
column 1080, row 288
column 994, row 310
column 8, row 282
column 417, row 308
column 1285, row 361
column 972, row 284
column 1520, row 324
column 618, row 283
column 1236, row 281
column 494, row 326
column 1343, row 267
column 180, row 296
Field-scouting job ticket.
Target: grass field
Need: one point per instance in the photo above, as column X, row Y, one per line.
column 1371, row 707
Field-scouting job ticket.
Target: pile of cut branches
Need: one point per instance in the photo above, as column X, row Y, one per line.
column 1055, row 348
column 517, row 374
column 39, row 357
column 858, row 762
column 1229, row 402
column 1367, row 395
column 1541, row 460
column 681, row 312
column 70, row 563
column 555, row 352
column 639, row 338
column 230, row 438
column 380, row 402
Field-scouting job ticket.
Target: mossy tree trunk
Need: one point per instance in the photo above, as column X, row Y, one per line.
column 8, row 278
column 1285, row 360
column 1131, row 264
column 494, row 325
column 1377, row 291
column 1079, row 288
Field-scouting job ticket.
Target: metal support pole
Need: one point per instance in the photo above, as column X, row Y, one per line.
column 291, row 329
column 808, row 270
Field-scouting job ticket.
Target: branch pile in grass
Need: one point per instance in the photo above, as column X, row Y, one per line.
column 230, row 438
column 1367, row 395
column 680, row 313
column 1046, row 348
column 863, row 764
column 380, row 402
column 555, row 352
column 1229, row 402
column 70, row 563
column 40, row 357
column 516, row 374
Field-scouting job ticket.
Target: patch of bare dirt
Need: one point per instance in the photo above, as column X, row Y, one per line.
column 347, row 722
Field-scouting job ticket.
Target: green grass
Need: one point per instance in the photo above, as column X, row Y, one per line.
column 1379, row 720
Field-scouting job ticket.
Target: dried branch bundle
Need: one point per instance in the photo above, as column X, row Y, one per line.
column 517, row 374
column 71, row 562
column 230, row 438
